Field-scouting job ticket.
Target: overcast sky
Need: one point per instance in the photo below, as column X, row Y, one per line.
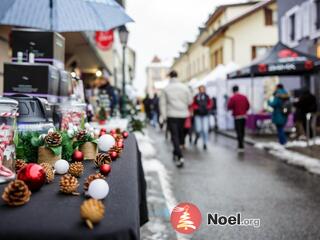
column 162, row 26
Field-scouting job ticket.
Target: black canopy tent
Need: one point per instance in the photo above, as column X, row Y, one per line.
column 280, row 60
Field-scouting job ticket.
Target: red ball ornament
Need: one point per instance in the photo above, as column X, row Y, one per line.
column 103, row 129
column 105, row 169
column 113, row 155
column 113, row 132
column 125, row 134
column 77, row 156
column 102, row 133
column 33, row 175
column 120, row 144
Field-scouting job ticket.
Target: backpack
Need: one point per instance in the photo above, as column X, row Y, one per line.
column 286, row 107
column 202, row 102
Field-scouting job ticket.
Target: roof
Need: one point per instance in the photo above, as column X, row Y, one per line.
column 220, row 9
column 247, row 13
column 280, row 60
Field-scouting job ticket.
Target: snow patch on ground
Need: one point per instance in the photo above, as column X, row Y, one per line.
column 310, row 164
column 152, row 164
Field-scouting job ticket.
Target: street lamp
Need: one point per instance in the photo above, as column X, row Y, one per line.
column 124, row 35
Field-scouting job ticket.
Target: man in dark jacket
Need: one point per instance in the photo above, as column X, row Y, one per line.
column 307, row 103
column 239, row 105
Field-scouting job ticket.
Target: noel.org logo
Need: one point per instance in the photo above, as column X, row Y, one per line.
column 186, row 218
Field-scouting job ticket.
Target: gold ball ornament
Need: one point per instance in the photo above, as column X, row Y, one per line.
column 92, row 211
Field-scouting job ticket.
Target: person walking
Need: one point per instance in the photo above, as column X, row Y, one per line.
column 107, row 88
column 201, row 108
column 147, row 107
column 174, row 103
column 239, row 105
column 155, row 111
column 280, row 112
column 307, row 103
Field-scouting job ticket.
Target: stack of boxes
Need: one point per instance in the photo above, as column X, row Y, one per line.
column 37, row 67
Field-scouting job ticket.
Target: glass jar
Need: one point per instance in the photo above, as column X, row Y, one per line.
column 8, row 113
column 72, row 112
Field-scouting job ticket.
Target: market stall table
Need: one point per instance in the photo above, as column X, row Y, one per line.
column 53, row 215
column 253, row 119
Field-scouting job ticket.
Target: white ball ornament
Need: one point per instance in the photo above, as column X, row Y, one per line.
column 61, row 166
column 70, row 133
column 87, row 126
column 98, row 189
column 106, row 142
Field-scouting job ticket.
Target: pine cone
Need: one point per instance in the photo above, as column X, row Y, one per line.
column 119, row 137
column 20, row 164
column 76, row 169
column 82, row 136
column 92, row 211
column 90, row 179
column 53, row 139
column 69, row 184
column 102, row 158
column 116, row 149
column 49, row 172
column 16, row 193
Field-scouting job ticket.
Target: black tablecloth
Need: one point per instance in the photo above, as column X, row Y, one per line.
column 52, row 215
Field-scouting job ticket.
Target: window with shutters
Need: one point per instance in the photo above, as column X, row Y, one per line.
column 292, row 22
column 317, row 20
column 259, row 51
column 268, row 16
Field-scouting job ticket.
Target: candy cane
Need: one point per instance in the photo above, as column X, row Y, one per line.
column 9, row 114
column 4, row 171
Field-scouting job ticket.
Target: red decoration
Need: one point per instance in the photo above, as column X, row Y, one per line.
column 120, row 144
column 113, row 155
column 33, row 175
column 308, row 65
column 262, row 68
column 105, row 169
column 77, row 156
column 103, row 131
column 113, row 132
column 125, row 134
column 287, row 53
column 104, row 40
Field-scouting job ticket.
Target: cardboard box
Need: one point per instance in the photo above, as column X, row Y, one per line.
column 41, row 80
column 48, row 47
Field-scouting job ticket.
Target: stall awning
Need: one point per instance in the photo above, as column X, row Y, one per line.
column 80, row 50
column 280, row 60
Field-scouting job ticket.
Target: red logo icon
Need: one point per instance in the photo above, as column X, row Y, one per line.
column 287, row 53
column 186, row 218
column 104, row 40
column 262, row 68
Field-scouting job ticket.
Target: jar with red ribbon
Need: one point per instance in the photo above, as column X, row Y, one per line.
column 8, row 114
column 72, row 112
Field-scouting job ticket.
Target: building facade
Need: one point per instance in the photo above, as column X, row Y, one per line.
column 156, row 72
column 240, row 33
column 299, row 28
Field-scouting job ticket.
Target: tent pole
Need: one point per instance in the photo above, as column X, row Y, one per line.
column 252, row 93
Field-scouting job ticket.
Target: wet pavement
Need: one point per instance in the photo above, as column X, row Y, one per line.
column 255, row 184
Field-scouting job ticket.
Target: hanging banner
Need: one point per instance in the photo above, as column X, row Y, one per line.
column 104, row 40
